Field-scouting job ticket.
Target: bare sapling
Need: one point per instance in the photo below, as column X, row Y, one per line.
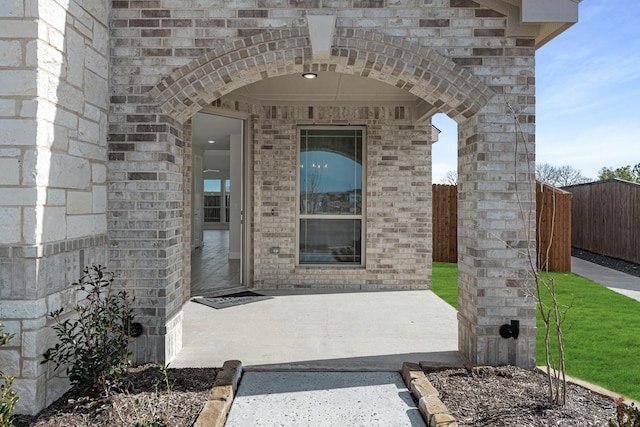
column 552, row 312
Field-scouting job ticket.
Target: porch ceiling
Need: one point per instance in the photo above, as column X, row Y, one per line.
column 327, row 87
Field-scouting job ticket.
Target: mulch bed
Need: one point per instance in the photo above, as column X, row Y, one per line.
column 190, row 390
column 511, row 396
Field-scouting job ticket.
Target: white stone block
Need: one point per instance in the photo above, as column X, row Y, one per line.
column 97, row 63
column 79, row 202
column 75, row 58
column 88, row 131
column 86, row 225
column 30, row 391
column 35, row 343
column 32, row 368
column 66, row 95
column 7, row 107
column 10, row 53
column 63, row 118
column 92, row 113
column 12, row 8
column 50, row 59
column 98, row 173
column 10, row 361
column 56, row 387
column 31, row 309
column 53, row 14
column 99, row 199
column 18, row 82
column 69, row 172
column 96, row 89
column 10, row 225
column 29, row 109
column 87, row 150
column 18, row 196
column 54, row 227
column 16, row 131
column 38, row 323
column 31, row 231
column 17, row 29
column 9, row 171
column 56, row 197
column 100, row 40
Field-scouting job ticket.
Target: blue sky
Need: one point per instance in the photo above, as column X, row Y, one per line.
column 588, row 94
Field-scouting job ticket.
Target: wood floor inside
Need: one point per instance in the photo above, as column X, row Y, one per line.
column 212, row 272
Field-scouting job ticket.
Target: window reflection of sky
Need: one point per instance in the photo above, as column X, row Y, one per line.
column 214, row 185
column 335, row 172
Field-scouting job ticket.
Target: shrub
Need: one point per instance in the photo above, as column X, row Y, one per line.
column 95, row 343
column 626, row 416
column 8, row 397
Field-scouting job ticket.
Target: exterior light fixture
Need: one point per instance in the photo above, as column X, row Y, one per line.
column 510, row 330
column 309, row 75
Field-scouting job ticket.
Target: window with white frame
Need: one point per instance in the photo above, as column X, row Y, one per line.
column 331, row 195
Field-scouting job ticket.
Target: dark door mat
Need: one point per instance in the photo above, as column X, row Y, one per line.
column 231, row 300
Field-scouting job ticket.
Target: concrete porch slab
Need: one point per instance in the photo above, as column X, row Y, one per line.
column 295, row 330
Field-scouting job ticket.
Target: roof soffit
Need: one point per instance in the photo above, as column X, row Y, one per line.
column 541, row 19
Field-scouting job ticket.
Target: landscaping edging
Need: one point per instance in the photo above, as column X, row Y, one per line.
column 432, row 409
column 215, row 411
column 434, row 412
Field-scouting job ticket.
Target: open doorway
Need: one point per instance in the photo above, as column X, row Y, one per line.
column 217, row 204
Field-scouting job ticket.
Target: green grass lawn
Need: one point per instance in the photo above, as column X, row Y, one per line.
column 602, row 329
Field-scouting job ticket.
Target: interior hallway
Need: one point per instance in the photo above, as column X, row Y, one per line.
column 212, row 272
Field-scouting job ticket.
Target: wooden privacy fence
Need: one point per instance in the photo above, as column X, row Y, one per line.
column 445, row 223
column 553, row 228
column 606, row 218
column 553, row 237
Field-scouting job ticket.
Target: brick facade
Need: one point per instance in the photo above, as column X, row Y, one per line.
column 80, row 196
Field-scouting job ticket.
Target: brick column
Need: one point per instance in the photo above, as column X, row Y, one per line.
column 145, row 226
column 496, row 185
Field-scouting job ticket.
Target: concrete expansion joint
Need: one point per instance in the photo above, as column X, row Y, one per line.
column 434, row 412
column 215, row 411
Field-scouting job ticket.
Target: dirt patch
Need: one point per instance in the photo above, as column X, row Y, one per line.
column 511, row 396
column 190, row 390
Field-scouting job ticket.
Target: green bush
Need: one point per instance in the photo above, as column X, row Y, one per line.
column 626, row 416
column 8, row 397
column 95, row 343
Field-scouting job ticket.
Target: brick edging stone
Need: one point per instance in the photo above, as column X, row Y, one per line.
column 214, row 413
column 434, row 412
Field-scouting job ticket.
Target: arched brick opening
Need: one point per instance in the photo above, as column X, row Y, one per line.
column 491, row 291
column 451, row 89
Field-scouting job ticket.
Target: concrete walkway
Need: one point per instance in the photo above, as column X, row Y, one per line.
column 363, row 331
column 617, row 281
column 323, row 399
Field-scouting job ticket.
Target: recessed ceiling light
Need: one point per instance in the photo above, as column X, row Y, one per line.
column 211, row 142
column 309, row 75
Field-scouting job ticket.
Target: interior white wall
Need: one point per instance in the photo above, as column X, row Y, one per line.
column 235, row 207
column 197, row 196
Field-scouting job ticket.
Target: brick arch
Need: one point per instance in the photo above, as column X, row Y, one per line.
column 419, row 70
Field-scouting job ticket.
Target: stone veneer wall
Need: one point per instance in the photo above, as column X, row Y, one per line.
column 53, row 174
